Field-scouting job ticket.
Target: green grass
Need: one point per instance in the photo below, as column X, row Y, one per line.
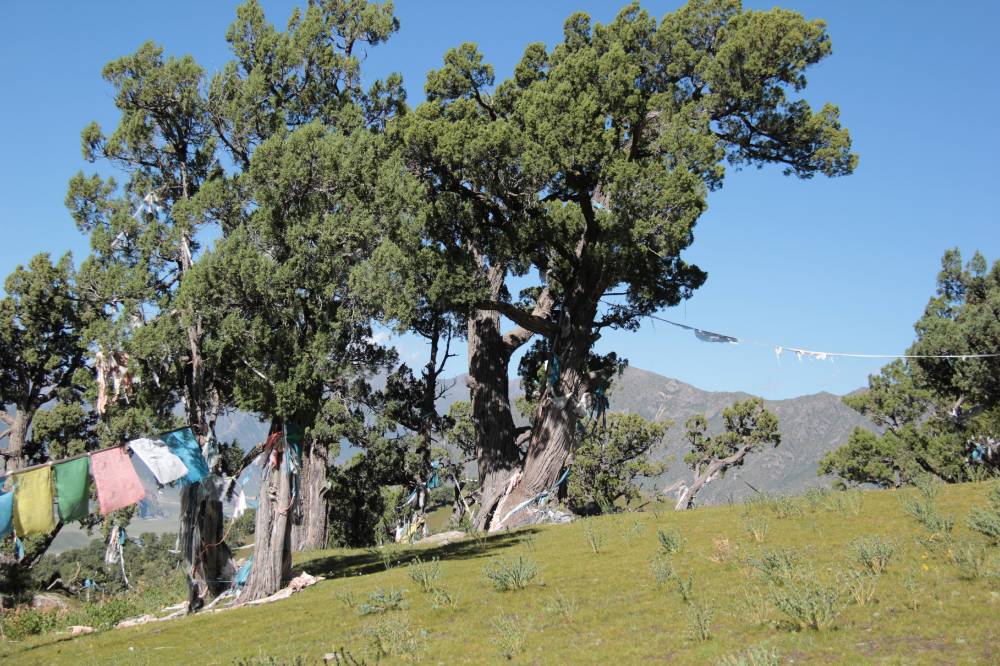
column 605, row 607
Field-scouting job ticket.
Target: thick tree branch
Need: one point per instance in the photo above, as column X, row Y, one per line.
column 524, row 319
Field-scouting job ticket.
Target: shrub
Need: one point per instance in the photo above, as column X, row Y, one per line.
column 807, row 602
column 425, row 574
column 756, row 526
column 663, row 569
column 816, row 498
column 670, row 541
column 700, row 622
column 685, row 588
column 874, row 553
column 722, row 551
column 860, row 585
column 509, row 634
column 595, row 538
column 381, row 601
column 776, row 565
column 563, row 606
column 754, row 604
column 20, row 623
column 923, row 507
column 510, row 575
column 986, row 521
column 392, row 637
column 847, row 503
column 758, row 655
column 441, row 598
column 970, row 558
column 785, row 507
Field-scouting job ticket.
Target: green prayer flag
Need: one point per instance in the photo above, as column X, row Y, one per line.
column 73, row 489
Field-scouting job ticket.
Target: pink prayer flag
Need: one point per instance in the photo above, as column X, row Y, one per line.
column 118, row 485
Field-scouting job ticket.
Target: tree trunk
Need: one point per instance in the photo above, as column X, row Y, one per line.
column 13, row 457
column 311, row 532
column 715, row 467
column 497, row 454
column 272, row 552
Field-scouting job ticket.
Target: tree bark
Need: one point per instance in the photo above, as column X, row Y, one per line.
column 13, row 457
column 272, row 553
column 311, row 532
column 716, row 466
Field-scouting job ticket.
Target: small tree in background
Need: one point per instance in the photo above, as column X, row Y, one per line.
column 608, row 462
column 749, row 427
column 941, row 415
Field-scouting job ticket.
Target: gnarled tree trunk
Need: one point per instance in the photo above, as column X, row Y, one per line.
column 310, row 533
column 704, row 476
column 272, row 552
column 17, row 436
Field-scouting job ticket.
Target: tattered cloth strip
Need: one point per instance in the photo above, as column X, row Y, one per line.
column 73, row 489
column 241, row 505
column 184, row 445
column 160, row 460
column 118, row 486
column 33, row 502
column 6, row 513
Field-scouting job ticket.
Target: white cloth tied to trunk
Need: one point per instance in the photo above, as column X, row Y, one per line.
column 164, row 465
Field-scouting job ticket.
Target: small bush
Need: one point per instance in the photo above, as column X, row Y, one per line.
column 816, row 498
column 425, row 574
column 563, row 606
column 670, row 541
column 860, row 585
column 756, row 526
column 846, row 503
column 807, row 602
column 758, row 655
column 381, row 601
column 507, row 575
column 986, row 521
column 348, row 598
column 874, row 553
column 595, row 537
column 663, row 570
column 911, row 586
column 722, row 551
column 785, row 507
column 393, row 638
column 509, row 634
column 776, row 565
column 442, row 598
column 923, row 506
column 685, row 588
column 970, row 558
column 699, row 620
column 20, row 623
column 754, row 605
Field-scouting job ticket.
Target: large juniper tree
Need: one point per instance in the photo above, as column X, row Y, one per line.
column 592, row 164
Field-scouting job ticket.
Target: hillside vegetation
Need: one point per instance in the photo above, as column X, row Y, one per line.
column 741, row 584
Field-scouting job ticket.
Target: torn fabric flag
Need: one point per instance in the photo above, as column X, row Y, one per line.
column 6, row 513
column 118, row 485
column 160, row 460
column 709, row 336
column 73, row 489
column 241, row 505
column 33, row 502
column 184, row 445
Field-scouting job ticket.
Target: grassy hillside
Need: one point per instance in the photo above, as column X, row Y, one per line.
column 936, row 602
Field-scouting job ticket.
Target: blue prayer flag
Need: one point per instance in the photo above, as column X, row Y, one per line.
column 6, row 513
column 183, row 444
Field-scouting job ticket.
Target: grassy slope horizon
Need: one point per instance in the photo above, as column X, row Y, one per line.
column 922, row 611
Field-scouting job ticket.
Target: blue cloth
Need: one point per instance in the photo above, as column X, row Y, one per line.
column 6, row 513
column 183, row 444
column 19, row 545
column 244, row 572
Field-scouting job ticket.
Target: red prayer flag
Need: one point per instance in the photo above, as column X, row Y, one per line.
column 118, row 485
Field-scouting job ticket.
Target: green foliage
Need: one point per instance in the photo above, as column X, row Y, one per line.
column 684, row 587
column 922, row 504
column 758, row 655
column 609, row 460
column 563, row 606
column 986, row 520
column 507, row 575
column 596, row 538
column 935, row 410
column 381, row 601
column 394, row 638
column 670, row 541
column 874, row 553
column 808, row 602
column 425, row 574
column 972, row 559
column 663, row 570
column 699, row 618
column 860, row 585
column 776, row 565
column 756, row 526
column 509, row 633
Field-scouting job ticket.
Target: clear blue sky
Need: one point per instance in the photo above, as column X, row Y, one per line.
column 835, row 265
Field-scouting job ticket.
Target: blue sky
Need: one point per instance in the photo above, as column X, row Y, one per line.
column 833, row 265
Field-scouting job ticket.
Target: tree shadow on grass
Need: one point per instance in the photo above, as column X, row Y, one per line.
column 371, row 561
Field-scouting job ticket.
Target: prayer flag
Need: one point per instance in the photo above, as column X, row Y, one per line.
column 73, row 489
column 33, row 502
column 118, row 485
column 160, row 460
column 184, row 445
column 6, row 512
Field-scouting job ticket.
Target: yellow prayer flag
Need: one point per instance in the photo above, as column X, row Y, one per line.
column 33, row 502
